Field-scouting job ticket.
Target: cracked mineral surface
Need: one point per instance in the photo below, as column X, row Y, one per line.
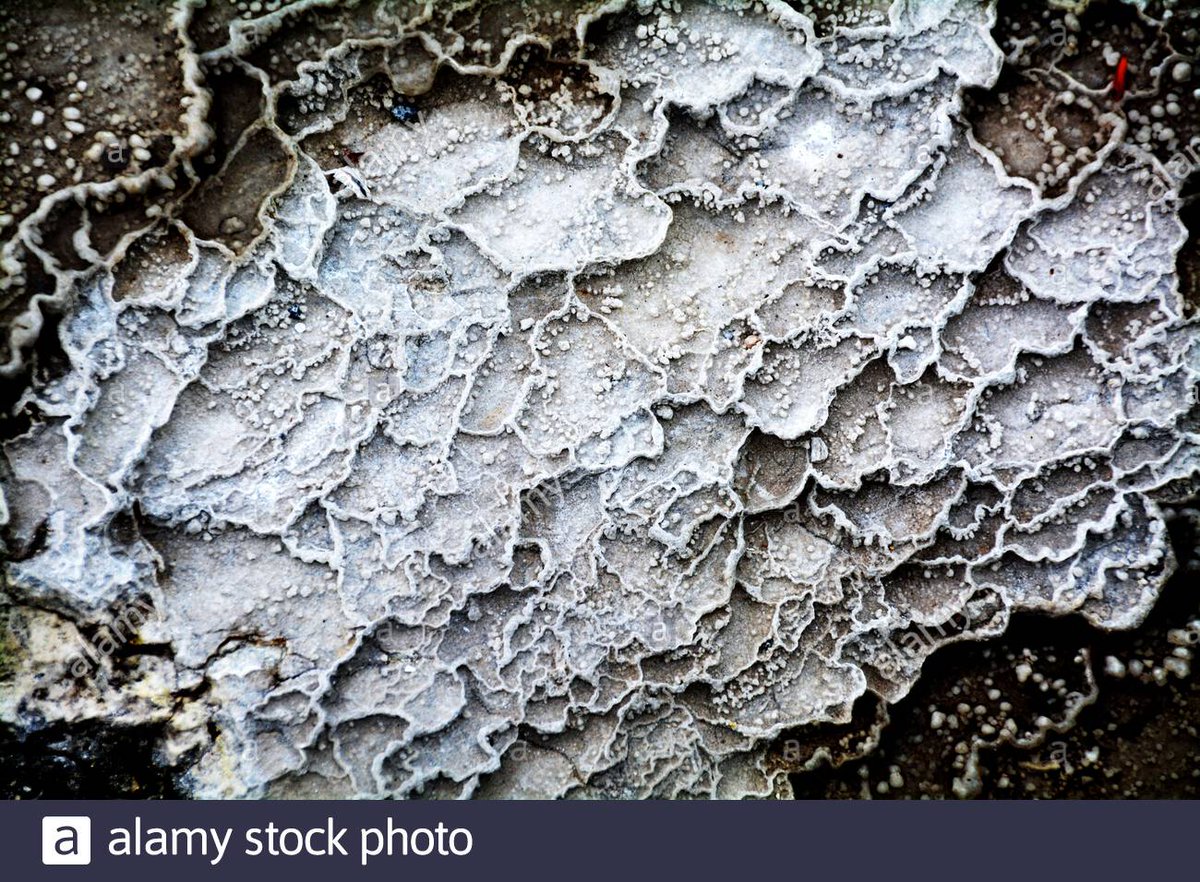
column 571, row 400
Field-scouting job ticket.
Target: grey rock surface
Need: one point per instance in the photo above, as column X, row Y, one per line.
column 578, row 427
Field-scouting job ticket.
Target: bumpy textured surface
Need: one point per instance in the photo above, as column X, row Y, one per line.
column 505, row 419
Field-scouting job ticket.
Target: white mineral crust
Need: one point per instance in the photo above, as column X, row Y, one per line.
column 615, row 425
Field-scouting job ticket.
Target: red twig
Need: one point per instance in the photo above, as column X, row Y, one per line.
column 1118, row 83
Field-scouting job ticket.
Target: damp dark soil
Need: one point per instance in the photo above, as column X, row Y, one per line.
column 87, row 761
